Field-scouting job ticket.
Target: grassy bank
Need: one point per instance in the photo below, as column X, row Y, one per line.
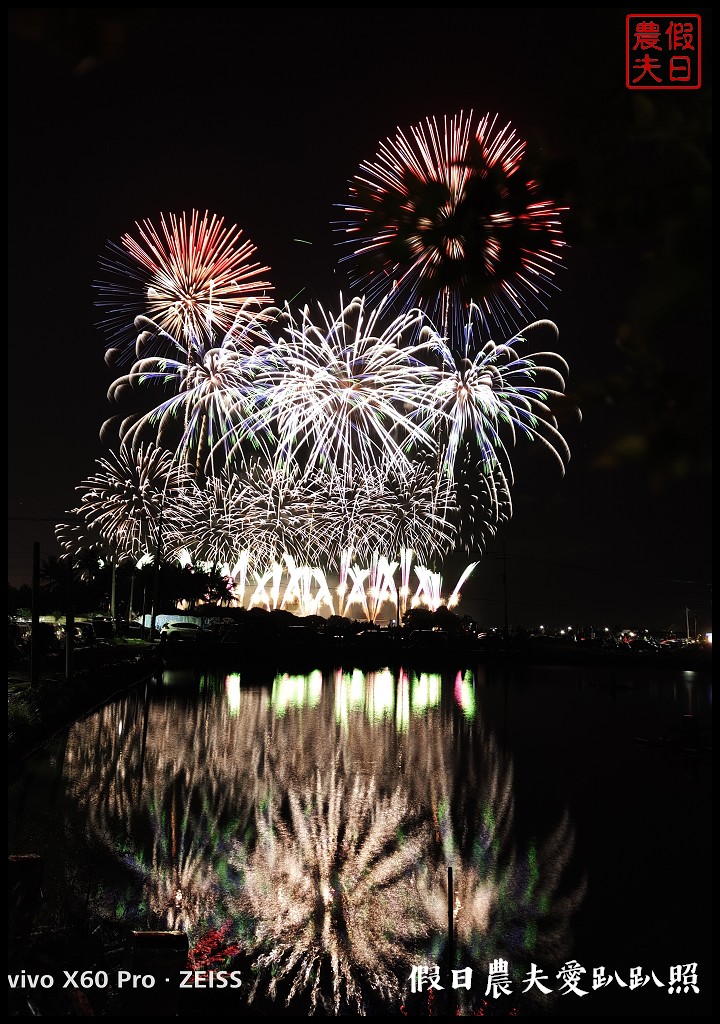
column 37, row 712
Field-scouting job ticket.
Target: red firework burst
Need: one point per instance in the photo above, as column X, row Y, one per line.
column 192, row 277
column 450, row 214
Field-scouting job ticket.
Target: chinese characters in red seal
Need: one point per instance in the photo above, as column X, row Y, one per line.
column 663, row 51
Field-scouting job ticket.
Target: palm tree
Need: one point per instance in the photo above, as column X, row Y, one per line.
column 52, row 573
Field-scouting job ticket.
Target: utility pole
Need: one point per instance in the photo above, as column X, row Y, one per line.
column 35, row 630
column 70, row 626
column 505, row 590
column 156, row 574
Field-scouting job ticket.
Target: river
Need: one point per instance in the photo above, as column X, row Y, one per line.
column 483, row 840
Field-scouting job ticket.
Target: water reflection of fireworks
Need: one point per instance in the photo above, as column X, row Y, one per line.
column 170, row 778
column 323, row 829
column 330, row 885
column 508, row 902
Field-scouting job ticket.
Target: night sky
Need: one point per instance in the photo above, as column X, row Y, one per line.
column 262, row 116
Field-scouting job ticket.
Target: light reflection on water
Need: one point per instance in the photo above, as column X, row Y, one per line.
column 310, row 823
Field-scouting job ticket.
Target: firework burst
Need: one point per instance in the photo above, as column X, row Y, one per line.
column 205, row 523
column 339, row 393
column 414, row 510
column 449, row 214
column 255, row 510
column 286, row 513
column 120, row 508
column 192, row 276
column 83, row 545
column 481, row 400
column 382, row 425
column 209, row 408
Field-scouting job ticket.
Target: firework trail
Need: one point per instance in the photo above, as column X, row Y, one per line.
column 205, row 524
column 235, row 513
column 381, row 509
column 416, row 509
column 286, row 512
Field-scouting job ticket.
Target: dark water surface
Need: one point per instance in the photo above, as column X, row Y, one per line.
column 303, row 830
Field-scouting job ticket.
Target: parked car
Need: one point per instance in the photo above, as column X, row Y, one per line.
column 182, row 642
column 103, row 628
column 83, row 634
column 184, row 632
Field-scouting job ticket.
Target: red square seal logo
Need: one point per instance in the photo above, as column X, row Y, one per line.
column 662, row 51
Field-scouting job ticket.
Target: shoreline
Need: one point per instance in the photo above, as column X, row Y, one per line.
column 37, row 713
